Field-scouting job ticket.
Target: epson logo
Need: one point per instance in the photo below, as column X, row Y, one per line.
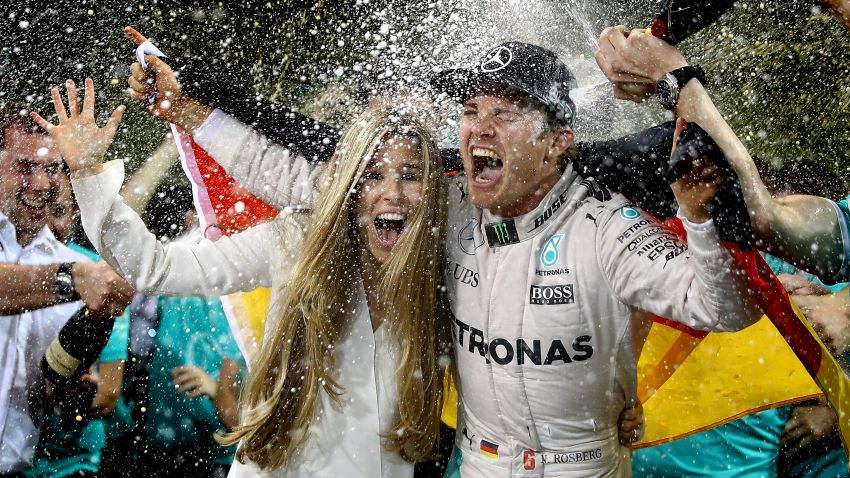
column 551, row 294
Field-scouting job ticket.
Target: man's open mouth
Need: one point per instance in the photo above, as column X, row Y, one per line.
column 33, row 203
column 486, row 166
column 388, row 228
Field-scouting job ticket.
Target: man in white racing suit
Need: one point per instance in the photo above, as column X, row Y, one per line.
column 544, row 271
column 543, row 268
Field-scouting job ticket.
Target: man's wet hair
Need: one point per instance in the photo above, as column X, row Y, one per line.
column 12, row 114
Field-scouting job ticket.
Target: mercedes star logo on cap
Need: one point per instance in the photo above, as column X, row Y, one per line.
column 497, row 58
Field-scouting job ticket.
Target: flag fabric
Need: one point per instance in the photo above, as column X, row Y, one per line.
column 688, row 380
column 224, row 208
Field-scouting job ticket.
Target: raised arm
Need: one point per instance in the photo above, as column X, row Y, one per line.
column 650, row 269
column 274, row 172
column 635, row 61
column 696, row 283
column 239, row 262
column 140, row 188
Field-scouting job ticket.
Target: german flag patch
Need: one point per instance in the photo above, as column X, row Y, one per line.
column 489, row 449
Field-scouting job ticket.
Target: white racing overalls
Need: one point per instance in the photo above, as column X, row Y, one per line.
column 542, row 306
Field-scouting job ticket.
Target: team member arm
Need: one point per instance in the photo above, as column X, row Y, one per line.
column 140, row 188
column 789, row 227
column 29, row 287
column 24, row 287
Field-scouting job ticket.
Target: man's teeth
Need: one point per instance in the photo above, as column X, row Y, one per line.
column 389, row 216
column 487, row 153
column 33, row 203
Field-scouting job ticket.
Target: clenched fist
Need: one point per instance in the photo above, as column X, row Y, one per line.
column 102, row 289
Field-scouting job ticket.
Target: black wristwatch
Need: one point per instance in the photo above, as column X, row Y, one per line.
column 668, row 87
column 63, row 284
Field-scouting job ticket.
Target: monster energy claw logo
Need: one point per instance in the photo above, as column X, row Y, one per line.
column 501, row 233
column 549, row 256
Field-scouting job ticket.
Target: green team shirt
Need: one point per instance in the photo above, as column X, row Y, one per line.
column 192, row 331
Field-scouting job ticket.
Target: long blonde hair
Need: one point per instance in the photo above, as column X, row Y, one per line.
column 293, row 365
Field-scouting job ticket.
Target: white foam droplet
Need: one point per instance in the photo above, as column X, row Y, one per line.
column 42, row 152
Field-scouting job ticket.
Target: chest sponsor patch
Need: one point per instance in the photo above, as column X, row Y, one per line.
column 501, row 233
column 552, row 272
column 551, row 252
column 466, row 238
column 521, row 351
column 551, row 294
column 461, row 273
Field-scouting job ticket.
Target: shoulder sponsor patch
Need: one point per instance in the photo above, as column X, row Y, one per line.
column 629, row 213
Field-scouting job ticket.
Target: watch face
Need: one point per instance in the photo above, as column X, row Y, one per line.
column 665, row 91
column 64, row 286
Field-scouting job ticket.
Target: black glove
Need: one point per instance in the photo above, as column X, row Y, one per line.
column 728, row 208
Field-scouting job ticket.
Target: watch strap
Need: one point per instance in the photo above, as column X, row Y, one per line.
column 686, row 73
column 65, row 268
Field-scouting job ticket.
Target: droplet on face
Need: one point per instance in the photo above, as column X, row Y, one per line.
column 42, row 152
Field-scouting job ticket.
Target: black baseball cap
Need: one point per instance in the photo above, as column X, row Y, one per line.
column 529, row 69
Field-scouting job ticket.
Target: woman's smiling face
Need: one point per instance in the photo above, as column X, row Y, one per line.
column 389, row 194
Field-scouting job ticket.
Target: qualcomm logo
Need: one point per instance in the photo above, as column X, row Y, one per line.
column 549, row 255
column 629, row 213
column 466, row 238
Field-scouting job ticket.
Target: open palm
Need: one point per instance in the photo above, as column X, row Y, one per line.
column 78, row 139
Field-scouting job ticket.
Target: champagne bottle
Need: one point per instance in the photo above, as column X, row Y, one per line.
column 77, row 347
column 680, row 19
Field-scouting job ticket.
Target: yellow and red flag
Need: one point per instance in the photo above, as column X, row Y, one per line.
column 690, row 381
column 224, row 208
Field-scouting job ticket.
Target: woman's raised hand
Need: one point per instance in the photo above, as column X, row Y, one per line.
column 79, row 140
column 158, row 80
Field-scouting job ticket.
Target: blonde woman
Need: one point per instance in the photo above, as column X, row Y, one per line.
column 347, row 382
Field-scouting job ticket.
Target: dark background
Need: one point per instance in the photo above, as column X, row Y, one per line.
column 778, row 70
